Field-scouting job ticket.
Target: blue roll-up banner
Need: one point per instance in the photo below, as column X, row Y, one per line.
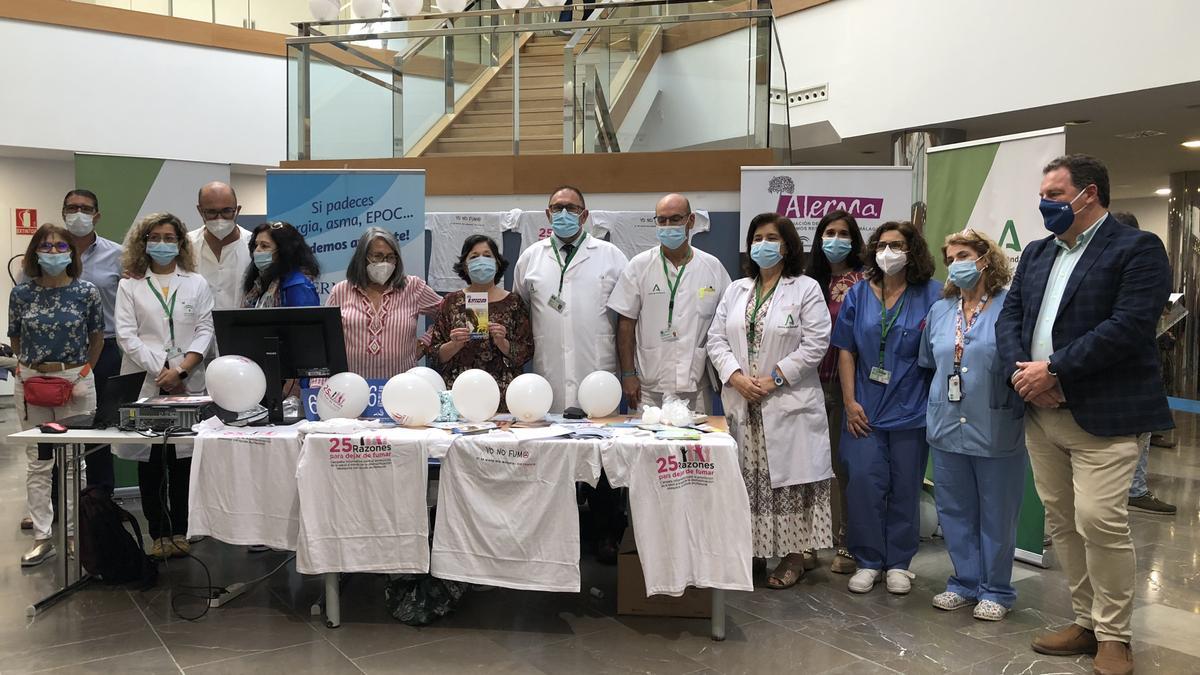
column 332, row 208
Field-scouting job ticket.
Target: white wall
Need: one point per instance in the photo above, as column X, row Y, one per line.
column 893, row 65
column 1151, row 213
column 86, row 91
column 704, row 97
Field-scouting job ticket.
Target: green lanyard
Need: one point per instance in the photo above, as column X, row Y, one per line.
column 759, row 300
column 169, row 310
column 562, row 266
column 884, row 324
column 674, row 288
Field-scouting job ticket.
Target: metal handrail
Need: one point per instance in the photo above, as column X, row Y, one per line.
column 489, row 12
column 539, row 27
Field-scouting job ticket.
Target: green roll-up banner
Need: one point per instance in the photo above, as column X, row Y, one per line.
column 991, row 186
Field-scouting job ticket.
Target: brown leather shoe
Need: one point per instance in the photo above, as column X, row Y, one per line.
column 1113, row 658
column 1070, row 641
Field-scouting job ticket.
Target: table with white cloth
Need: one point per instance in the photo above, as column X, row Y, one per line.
column 355, row 500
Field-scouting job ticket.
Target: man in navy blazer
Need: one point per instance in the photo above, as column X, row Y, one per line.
column 1076, row 335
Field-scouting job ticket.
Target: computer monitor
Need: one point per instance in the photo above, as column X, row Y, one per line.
column 288, row 342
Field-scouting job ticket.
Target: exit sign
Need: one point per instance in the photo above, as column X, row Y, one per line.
column 26, row 220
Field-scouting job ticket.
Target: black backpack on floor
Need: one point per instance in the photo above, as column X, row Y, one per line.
column 106, row 548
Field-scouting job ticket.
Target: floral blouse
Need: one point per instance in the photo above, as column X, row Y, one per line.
column 511, row 312
column 839, row 286
column 54, row 324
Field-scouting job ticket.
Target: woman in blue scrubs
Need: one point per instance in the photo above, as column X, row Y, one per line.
column 975, row 428
column 886, row 392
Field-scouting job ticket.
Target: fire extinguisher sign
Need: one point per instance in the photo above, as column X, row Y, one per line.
column 26, row 220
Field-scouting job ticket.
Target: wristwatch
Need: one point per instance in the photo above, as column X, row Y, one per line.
column 183, row 373
column 779, row 381
column 629, row 373
column 1050, row 368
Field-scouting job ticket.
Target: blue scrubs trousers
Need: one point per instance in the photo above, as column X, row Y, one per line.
column 885, row 471
column 978, row 503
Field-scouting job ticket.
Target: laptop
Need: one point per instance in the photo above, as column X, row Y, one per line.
column 120, row 390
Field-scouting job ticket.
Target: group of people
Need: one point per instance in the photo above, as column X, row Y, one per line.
column 841, row 369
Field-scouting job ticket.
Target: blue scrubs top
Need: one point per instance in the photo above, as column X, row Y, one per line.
column 989, row 421
column 901, row 403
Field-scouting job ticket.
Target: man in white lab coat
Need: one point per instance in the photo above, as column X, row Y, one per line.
column 566, row 280
column 666, row 299
column 222, row 247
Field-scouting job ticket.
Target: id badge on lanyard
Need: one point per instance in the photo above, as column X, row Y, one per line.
column 169, row 313
column 954, row 390
column 879, row 374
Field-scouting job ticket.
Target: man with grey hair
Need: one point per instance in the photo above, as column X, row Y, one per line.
column 665, row 301
column 222, row 246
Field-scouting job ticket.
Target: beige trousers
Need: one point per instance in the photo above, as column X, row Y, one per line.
column 1083, row 481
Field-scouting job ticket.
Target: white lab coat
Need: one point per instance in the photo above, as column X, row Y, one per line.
column 582, row 338
column 143, row 333
column 795, row 339
column 643, row 294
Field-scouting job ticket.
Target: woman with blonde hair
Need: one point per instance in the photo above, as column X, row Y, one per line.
column 975, row 428
column 164, row 327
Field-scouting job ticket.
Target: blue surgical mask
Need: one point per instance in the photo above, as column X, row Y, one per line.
column 565, row 224
column 964, row 274
column 1058, row 216
column 672, row 237
column 53, row 264
column 162, row 252
column 766, row 254
column 482, row 270
column 835, row 249
column 263, row 260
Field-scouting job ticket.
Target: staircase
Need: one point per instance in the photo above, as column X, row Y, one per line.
column 485, row 126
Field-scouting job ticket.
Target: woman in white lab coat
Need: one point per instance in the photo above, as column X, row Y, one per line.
column 769, row 334
column 164, row 327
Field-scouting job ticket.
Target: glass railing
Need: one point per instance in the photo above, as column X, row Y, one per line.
column 619, row 77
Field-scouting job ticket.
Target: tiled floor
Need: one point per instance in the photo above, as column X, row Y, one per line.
column 816, row 627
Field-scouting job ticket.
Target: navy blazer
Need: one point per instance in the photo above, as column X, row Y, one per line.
column 1105, row 353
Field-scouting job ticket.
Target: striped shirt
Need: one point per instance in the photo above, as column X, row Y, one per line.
column 382, row 342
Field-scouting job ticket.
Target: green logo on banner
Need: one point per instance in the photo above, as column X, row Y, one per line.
column 1010, row 229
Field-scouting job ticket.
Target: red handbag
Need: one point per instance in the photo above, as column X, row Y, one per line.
column 48, row 392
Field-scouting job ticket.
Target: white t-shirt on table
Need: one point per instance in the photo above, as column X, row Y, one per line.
column 362, row 502
column 243, row 489
column 506, row 511
column 691, row 515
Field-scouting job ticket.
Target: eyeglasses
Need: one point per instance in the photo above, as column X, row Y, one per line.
column 226, row 213
column 569, row 208
column 162, row 239
column 897, row 246
column 76, row 208
column 670, row 220
column 53, row 247
column 375, row 258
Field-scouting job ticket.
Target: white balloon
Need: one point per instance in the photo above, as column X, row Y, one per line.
column 367, row 9
column 429, row 375
column 406, row 7
column 512, row 4
column 529, row 397
column 235, row 383
column 323, row 10
column 344, row 395
column 410, row 400
column 452, row 6
column 476, row 395
column 600, row 394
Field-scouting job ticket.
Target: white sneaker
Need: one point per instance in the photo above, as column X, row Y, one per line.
column 863, row 580
column 899, row 581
